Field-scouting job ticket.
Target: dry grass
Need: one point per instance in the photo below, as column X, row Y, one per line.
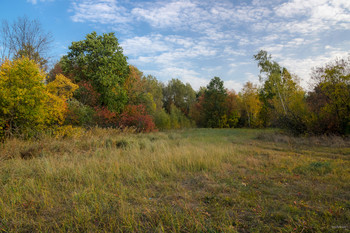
column 200, row 180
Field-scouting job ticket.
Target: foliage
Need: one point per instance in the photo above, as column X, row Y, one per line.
column 145, row 90
column 68, row 131
column 178, row 94
column 87, row 95
column 29, row 51
column 178, row 119
column 329, row 102
column 214, row 104
column 25, row 102
column 250, row 105
column 282, row 97
column 196, row 111
column 56, row 70
column 61, row 87
column 99, row 60
column 79, row 114
column 162, row 120
column 233, row 112
column 103, row 117
column 137, row 116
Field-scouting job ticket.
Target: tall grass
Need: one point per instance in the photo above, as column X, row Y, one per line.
column 198, row 180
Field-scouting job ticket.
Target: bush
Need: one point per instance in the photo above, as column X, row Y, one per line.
column 104, row 117
column 162, row 120
column 178, row 120
column 136, row 116
column 79, row 114
column 68, row 131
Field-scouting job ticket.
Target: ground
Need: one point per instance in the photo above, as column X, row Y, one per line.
column 195, row 180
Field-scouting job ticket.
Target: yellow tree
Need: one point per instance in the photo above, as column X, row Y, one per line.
column 26, row 103
column 251, row 104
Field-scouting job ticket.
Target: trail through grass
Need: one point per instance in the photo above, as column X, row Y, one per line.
column 198, row 180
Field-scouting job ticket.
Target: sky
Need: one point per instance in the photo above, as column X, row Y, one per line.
column 196, row 40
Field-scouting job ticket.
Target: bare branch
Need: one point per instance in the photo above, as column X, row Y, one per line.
column 24, row 37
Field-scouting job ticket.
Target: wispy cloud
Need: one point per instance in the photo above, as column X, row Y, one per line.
column 36, row 1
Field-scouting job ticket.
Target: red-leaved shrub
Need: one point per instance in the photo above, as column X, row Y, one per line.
column 137, row 116
column 105, row 118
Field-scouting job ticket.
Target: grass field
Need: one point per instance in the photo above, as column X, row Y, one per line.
column 197, row 180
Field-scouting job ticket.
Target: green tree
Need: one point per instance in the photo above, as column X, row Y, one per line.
column 283, row 99
column 178, row 94
column 99, row 61
column 214, row 104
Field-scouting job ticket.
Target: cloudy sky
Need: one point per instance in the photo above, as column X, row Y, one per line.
column 195, row 40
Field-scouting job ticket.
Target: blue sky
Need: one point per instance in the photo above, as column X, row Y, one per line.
column 196, row 40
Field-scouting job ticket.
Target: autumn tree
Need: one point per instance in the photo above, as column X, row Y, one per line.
column 26, row 103
column 283, row 99
column 250, row 105
column 99, row 61
column 196, row 110
column 329, row 101
column 146, row 90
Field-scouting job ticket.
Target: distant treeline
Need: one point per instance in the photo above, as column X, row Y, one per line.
column 93, row 85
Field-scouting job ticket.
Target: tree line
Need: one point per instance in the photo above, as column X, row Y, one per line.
column 93, row 85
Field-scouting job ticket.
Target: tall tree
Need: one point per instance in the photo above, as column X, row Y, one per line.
column 99, row 61
column 250, row 104
column 282, row 97
column 214, row 104
column 178, row 94
column 25, row 37
column 146, row 90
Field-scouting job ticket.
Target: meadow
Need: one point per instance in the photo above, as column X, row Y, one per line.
column 194, row 180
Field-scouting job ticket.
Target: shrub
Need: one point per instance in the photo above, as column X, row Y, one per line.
column 178, row 119
column 136, row 116
column 104, row 117
column 79, row 114
column 68, row 131
column 162, row 120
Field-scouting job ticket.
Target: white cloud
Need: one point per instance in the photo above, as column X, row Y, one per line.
column 233, row 85
column 167, row 51
column 170, row 14
column 100, row 11
column 144, row 45
column 253, row 78
column 195, row 39
column 313, row 15
column 302, row 67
